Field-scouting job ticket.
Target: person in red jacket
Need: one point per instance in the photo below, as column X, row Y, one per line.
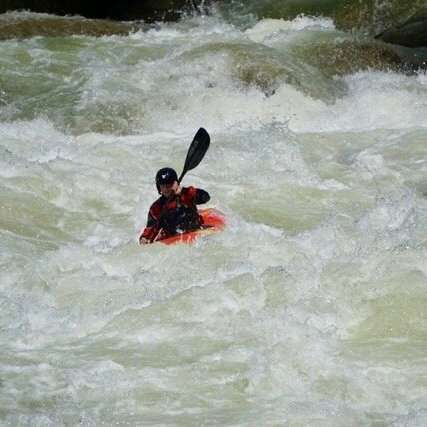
column 175, row 211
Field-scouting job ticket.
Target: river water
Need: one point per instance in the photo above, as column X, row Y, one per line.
column 309, row 310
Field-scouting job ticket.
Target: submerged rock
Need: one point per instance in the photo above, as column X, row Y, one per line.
column 22, row 26
column 253, row 65
column 349, row 57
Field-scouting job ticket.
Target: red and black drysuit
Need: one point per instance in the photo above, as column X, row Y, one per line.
column 176, row 215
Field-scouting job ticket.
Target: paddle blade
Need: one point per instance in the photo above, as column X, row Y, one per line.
column 197, row 151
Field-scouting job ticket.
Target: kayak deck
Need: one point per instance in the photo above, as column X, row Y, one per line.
column 213, row 222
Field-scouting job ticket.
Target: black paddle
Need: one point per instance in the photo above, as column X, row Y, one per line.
column 196, row 151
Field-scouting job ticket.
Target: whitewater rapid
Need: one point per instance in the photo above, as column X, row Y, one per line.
column 308, row 310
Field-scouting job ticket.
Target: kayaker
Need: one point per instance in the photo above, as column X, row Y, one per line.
column 175, row 211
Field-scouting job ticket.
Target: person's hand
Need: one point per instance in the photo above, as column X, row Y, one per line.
column 143, row 241
column 176, row 188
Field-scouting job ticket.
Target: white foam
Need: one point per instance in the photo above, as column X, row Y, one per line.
column 267, row 29
column 35, row 140
column 375, row 100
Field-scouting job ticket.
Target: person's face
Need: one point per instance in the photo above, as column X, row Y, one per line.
column 168, row 189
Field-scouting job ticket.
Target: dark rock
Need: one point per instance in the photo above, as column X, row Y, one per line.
column 412, row 33
column 373, row 16
column 147, row 10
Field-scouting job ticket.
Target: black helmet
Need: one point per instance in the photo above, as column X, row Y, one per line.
column 165, row 176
